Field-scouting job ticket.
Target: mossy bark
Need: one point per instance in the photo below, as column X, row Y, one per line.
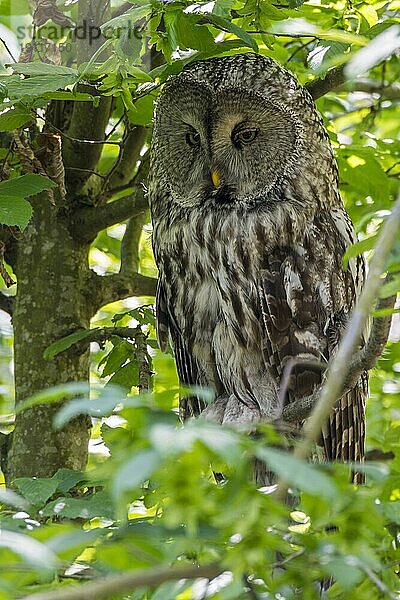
column 51, row 268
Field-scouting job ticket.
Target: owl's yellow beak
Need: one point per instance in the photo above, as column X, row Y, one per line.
column 216, row 178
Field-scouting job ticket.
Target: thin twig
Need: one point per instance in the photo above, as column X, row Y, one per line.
column 125, row 582
column 86, row 171
column 378, row 582
column 8, row 49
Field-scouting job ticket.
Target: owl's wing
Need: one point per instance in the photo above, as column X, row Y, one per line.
column 305, row 298
column 187, row 369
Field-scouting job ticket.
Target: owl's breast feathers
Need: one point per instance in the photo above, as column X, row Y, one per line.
column 242, row 293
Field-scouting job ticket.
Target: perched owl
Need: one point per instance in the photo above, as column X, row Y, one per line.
column 249, row 235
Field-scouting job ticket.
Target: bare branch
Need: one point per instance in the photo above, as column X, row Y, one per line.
column 122, row 170
column 88, row 124
column 382, row 587
column 339, row 368
column 88, row 221
column 121, row 583
column 8, row 49
column 130, row 243
column 101, row 335
column 333, row 79
column 102, row 290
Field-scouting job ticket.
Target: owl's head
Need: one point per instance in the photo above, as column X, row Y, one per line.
column 230, row 129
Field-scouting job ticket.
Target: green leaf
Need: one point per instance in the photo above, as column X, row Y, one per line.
column 184, row 32
column 68, row 478
column 359, row 248
column 360, row 169
column 53, row 394
column 14, row 118
column 127, row 376
column 72, row 96
column 37, row 491
column 303, row 475
column 300, row 27
column 345, row 571
column 18, row 88
column 222, row 8
column 65, row 343
column 135, row 471
column 169, row 440
column 230, row 27
column 14, row 211
column 391, row 288
column 97, row 505
column 142, row 112
column 122, row 351
column 103, row 405
column 391, row 510
column 41, row 68
column 327, row 55
column 26, row 185
column 127, row 19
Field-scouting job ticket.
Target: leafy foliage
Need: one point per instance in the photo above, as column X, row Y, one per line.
column 149, row 497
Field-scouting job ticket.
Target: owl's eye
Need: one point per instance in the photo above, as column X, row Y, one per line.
column 193, row 138
column 244, row 136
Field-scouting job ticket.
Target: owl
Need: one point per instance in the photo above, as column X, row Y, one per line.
column 249, row 232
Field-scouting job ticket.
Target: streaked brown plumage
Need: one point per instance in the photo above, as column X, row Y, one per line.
column 250, row 274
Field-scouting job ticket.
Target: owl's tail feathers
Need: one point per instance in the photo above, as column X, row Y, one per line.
column 344, row 433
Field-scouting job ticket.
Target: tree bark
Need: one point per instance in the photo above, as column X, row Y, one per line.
column 51, row 268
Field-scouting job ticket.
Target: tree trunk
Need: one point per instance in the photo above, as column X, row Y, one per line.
column 51, row 303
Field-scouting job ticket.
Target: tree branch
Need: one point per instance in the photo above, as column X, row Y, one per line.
column 367, row 357
column 130, row 243
column 333, row 79
column 123, row 583
column 339, row 368
column 336, row 80
column 101, row 335
column 88, row 221
column 105, row 289
column 122, row 170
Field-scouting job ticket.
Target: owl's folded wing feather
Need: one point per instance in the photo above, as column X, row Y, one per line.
column 185, row 364
column 305, row 299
